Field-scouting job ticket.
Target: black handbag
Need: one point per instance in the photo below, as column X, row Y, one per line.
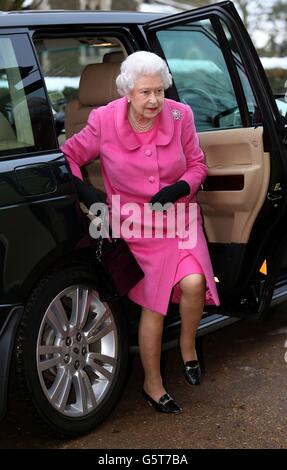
column 119, row 263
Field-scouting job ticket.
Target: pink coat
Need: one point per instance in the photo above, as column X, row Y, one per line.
column 136, row 172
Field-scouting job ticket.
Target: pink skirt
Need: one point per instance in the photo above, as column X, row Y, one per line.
column 187, row 264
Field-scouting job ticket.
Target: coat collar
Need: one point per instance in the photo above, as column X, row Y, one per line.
column 129, row 138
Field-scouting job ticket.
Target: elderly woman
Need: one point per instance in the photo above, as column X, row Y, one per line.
column 150, row 153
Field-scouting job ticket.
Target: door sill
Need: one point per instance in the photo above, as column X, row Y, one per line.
column 280, row 292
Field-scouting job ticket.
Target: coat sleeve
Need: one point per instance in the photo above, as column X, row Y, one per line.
column 196, row 169
column 84, row 146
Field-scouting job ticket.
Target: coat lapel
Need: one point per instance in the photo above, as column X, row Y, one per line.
column 166, row 125
column 125, row 133
column 129, row 138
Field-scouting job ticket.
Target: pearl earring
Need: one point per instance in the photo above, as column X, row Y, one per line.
column 129, row 101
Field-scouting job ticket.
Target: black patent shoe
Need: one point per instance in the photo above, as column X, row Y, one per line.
column 165, row 404
column 192, row 372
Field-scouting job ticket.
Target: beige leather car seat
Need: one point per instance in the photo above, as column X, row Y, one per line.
column 97, row 88
column 114, row 57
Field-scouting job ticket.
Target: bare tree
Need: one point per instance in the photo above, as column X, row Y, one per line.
column 83, row 4
column 269, row 18
column 60, row 4
column 8, row 5
column 198, row 3
column 277, row 16
column 130, row 5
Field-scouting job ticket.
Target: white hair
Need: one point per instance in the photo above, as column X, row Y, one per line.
column 139, row 64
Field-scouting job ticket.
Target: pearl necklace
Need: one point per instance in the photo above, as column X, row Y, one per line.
column 140, row 127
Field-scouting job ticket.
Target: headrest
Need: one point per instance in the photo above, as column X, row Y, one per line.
column 114, row 57
column 98, row 84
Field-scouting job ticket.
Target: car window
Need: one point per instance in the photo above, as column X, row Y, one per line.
column 253, row 111
column 23, row 108
column 282, row 107
column 201, row 75
column 62, row 62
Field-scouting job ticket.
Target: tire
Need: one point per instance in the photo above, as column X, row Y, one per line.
column 71, row 353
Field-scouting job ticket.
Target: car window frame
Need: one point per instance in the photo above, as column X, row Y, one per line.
column 223, row 45
column 123, row 34
column 233, row 72
column 253, row 67
column 36, row 149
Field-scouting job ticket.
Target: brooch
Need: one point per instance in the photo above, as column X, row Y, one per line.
column 176, row 114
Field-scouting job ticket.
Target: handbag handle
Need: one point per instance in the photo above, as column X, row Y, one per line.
column 99, row 249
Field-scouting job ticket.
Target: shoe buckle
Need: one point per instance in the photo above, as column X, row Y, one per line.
column 165, row 399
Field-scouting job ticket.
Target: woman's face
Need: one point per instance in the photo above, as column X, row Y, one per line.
column 147, row 96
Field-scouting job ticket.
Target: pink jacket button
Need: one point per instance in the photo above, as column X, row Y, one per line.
column 151, row 179
column 148, row 152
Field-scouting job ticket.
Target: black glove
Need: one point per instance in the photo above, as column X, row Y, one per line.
column 171, row 193
column 88, row 194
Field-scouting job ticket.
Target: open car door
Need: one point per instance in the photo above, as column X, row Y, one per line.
column 217, row 71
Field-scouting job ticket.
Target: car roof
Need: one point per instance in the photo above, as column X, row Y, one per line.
column 30, row 18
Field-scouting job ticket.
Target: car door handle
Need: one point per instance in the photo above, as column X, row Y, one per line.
column 274, row 197
column 35, row 179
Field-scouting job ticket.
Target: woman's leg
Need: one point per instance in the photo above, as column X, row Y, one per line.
column 191, row 309
column 150, row 334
